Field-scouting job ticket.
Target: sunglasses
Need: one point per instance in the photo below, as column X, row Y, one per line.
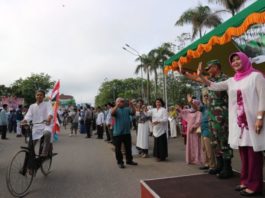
column 205, row 96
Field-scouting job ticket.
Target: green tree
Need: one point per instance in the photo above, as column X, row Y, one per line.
column 158, row 57
column 129, row 88
column 199, row 17
column 232, row 6
column 26, row 88
column 5, row 91
column 178, row 88
column 144, row 66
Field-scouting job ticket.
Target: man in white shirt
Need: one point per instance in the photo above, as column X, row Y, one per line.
column 100, row 123
column 108, row 122
column 38, row 113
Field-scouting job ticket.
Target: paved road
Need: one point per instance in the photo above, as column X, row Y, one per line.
column 86, row 168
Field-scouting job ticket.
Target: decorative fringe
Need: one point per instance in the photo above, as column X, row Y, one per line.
column 254, row 18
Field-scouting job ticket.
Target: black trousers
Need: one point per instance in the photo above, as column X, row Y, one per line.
column 100, row 131
column 127, row 141
column 88, row 128
column 12, row 126
column 160, row 147
column 107, row 133
column 3, row 130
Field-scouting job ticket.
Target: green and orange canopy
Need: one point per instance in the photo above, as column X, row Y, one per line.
column 218, row 43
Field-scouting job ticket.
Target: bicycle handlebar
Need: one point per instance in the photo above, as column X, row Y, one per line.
column 31, row 123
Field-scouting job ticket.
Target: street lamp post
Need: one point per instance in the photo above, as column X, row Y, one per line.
column 134, row 52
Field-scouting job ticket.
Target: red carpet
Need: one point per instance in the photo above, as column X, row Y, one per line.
column 197, row 186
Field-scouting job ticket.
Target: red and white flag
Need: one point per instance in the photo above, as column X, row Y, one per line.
column 55, row 97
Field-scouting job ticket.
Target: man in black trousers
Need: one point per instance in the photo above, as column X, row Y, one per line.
column 121, row 132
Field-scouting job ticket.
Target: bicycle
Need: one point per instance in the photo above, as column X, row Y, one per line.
column 25, row 164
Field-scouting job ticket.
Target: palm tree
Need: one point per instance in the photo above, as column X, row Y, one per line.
column 144, row 66
column 158, row 57
column 199, row 17
column 232, row 6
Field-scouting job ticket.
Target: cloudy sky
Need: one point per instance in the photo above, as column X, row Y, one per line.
column 80, row 41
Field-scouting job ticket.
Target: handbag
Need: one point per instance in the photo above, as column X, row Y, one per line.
column 198, row 130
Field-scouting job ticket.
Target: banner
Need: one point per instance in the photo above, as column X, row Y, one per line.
column 12, row 101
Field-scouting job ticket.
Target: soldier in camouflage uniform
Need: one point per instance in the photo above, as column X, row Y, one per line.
column 218, row 122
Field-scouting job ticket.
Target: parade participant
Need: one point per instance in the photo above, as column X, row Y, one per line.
column 108, row 122
column 183, row 124
column 246, row 92
column 19, row 118
column 193, row 144
column 82, row 120
column 107, row 112
column 207, row 149
column 12, row 122
column 88, row 120
column 172, row 114
column 100, row 123
column 74, row 125
column 150, row 122
column 160, row 126
column 3, row 122
column 138, row 107
column 218, row 120
column 121, row 132
column 38, row 113
column 142, row 117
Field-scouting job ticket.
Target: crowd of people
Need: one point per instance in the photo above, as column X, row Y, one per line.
column 10, row 121
column 228, row 115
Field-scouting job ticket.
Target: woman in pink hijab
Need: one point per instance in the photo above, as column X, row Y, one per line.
column 246, row 91
column 193, row 143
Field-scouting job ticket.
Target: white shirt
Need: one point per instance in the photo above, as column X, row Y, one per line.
column 37, row 114
column 100, row 118
column 161, row 116
column 108, row 117
column 253, row 93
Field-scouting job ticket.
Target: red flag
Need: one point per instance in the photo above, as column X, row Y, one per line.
column 55, row 96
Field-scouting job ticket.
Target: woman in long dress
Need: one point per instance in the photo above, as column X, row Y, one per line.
column 246, row 91
column 160, row 124
column 143, row 117
column 193, row 144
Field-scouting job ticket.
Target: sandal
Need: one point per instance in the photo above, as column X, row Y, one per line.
column 249, row 194
column 240, row 188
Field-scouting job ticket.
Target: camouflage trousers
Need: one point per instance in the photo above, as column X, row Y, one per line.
column 218, row 127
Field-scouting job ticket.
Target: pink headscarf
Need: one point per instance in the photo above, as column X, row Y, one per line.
column 195, row 102
column 247, row 67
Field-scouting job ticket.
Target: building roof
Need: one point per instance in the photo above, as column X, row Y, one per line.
column 66, row 97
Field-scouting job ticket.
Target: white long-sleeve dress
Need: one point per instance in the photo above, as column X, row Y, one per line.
column 159, row 115
column 253, row 93
column 143, row 130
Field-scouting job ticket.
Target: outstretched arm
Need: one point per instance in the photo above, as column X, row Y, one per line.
column 189, row 99
column 189, row 75
column 202, row 78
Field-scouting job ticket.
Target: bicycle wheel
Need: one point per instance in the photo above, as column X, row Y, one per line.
column 18, row 177
column 46, row 166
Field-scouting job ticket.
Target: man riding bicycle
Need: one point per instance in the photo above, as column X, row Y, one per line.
column 38, row 113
